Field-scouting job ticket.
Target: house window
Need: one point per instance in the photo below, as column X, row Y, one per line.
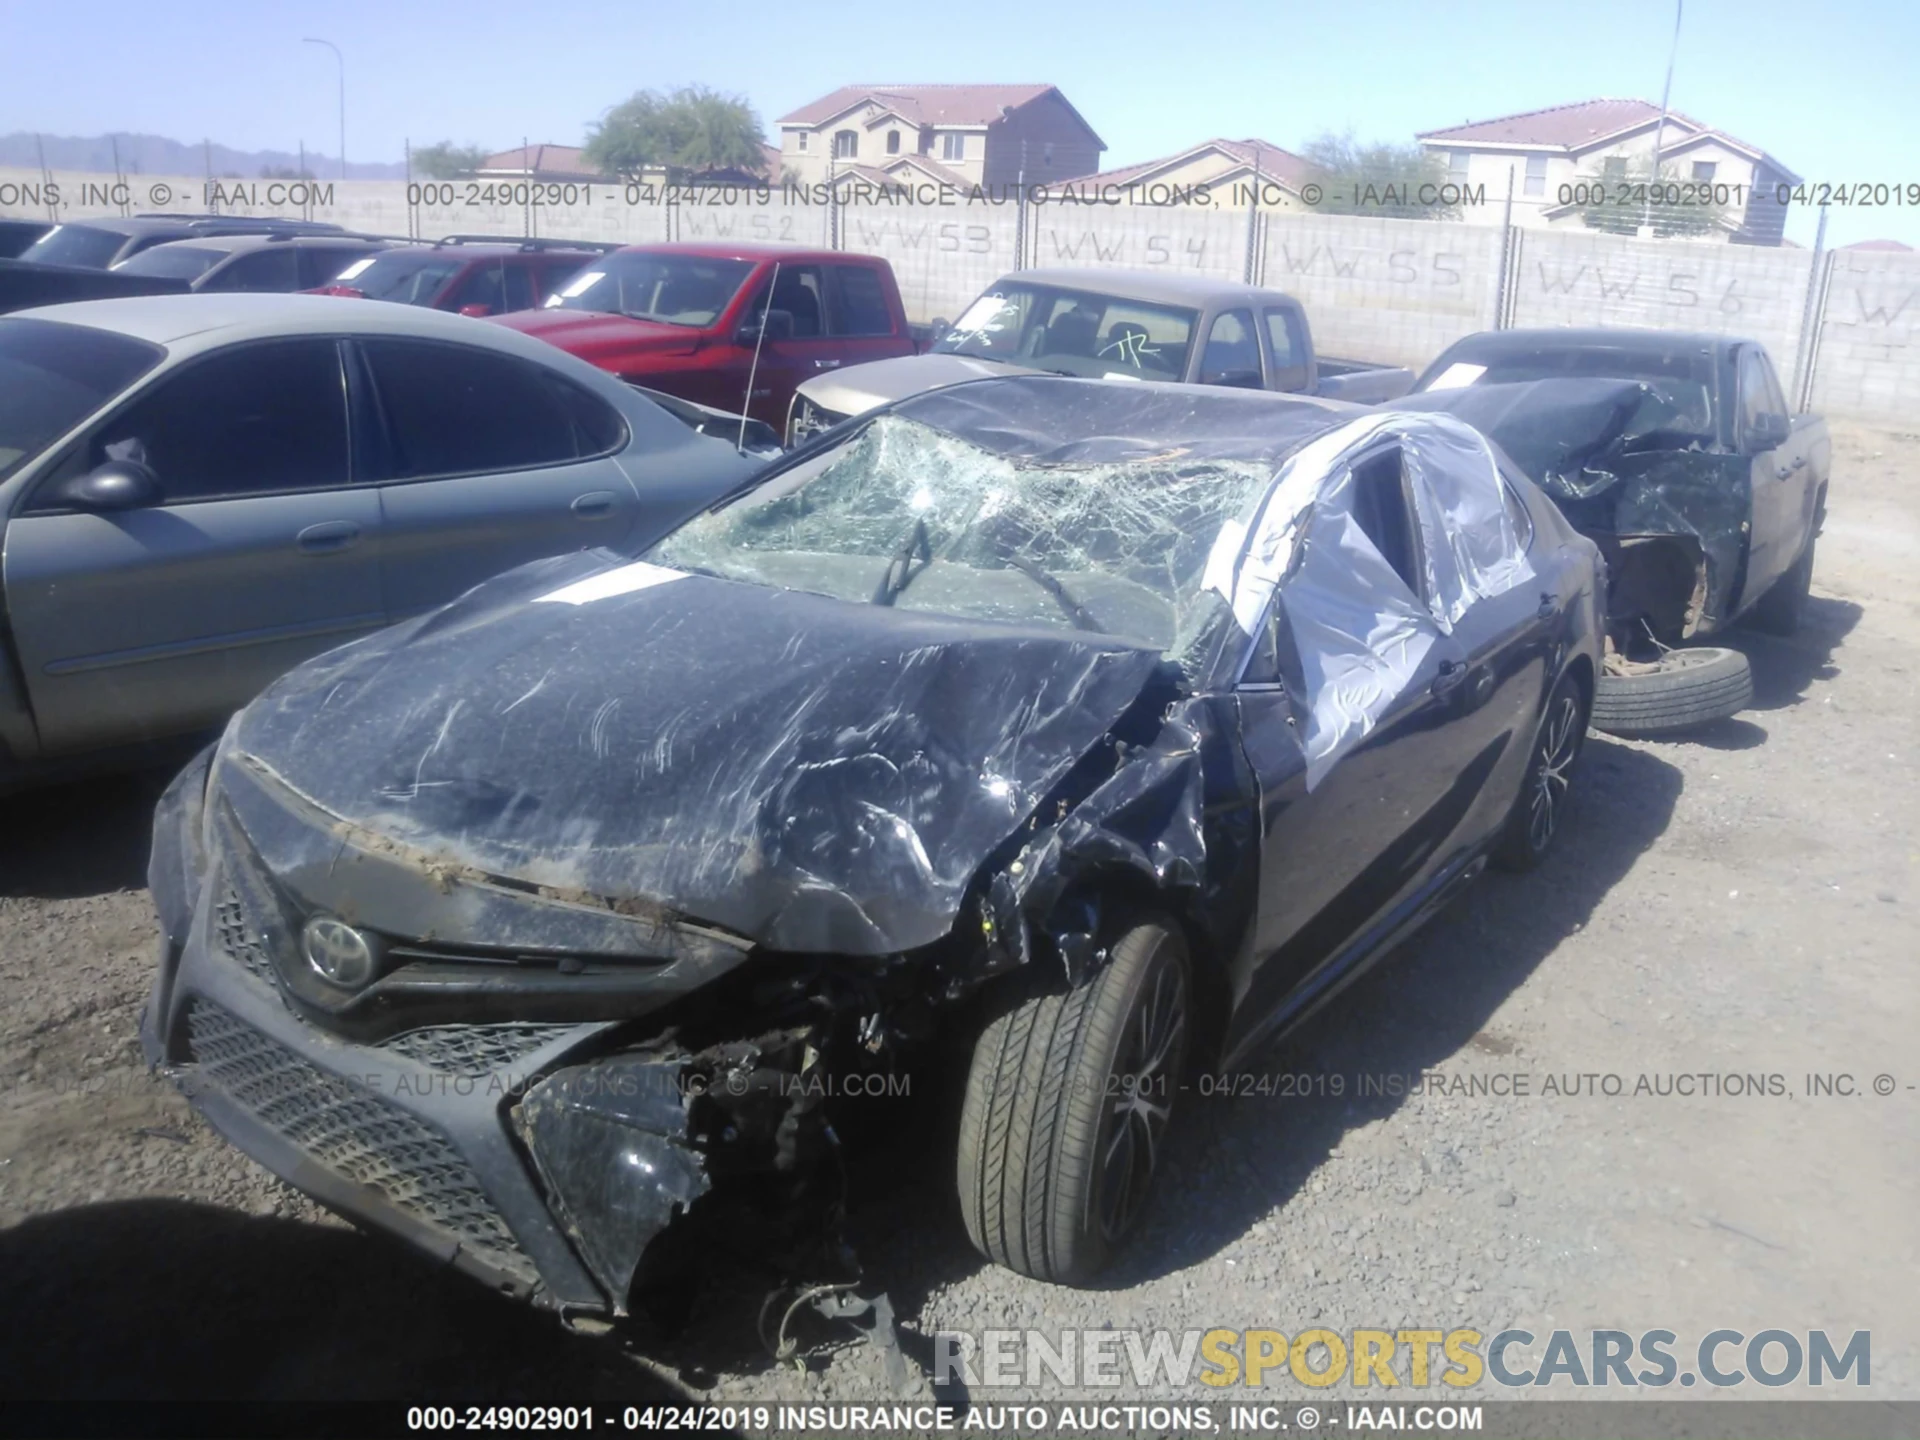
column 803, row 141
column 893, row 142
column 846, row 144
column 1703, row 170
column 1457, row 161
column 1536, row 174
column 953, row 147
column 926, row 142
column 1046, row 153
column 1613, row 166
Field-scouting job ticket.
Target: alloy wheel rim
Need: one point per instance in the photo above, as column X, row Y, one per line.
column 1553, row 762
column 1145, row 1076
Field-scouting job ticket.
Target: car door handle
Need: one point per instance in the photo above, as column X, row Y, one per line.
column 1449, row 678
column 594, row 505
column 328, row 537
column 1781, row 472
column 1548, row 605
column 1799, row 462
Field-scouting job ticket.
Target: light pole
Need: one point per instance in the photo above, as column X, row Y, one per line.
column 340, row 61
column 1660, row 130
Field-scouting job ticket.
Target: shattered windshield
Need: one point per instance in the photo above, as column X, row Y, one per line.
column 1679, row 385
column 1074, row 332
column 908, row 516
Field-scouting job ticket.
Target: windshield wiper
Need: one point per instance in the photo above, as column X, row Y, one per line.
column 900, row 569
column 1082, row 618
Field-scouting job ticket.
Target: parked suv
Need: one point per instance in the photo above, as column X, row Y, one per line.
column 687, row 319
column 102, row 243
column 474, row 275
column 276, row 264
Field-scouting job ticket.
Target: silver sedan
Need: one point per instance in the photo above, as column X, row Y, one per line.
column 199, row 492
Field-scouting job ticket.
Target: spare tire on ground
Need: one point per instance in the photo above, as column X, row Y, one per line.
column 1682, row 690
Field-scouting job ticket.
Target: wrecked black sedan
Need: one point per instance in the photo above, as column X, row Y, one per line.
column 1097, row 731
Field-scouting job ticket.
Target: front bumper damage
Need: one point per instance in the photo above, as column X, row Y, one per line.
column 542, row 1157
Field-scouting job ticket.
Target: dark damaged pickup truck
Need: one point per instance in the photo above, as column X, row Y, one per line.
column 1677, row 455
column 1082, row 733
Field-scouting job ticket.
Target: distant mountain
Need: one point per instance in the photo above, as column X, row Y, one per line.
column 157, row 155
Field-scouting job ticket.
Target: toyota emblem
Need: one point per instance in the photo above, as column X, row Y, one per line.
column 338, row 953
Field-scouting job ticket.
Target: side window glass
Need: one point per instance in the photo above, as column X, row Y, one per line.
column 1776, row 401
column 1232, row 356
column 1287, row 345
column 452, row 410
column 254, row 420
column 863, row 302
column 483, row 286
column 798, row 291
column 1753, row 391
column 597, row 427
column 519, row 288
column 265, row 271
column 1381, row 510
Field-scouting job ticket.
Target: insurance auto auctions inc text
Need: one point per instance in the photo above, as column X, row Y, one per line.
column 1389, row 1359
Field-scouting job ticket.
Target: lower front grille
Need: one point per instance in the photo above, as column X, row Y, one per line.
column 354, row 1133
column 473, row 1050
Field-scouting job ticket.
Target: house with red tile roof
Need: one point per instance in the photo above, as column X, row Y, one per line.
column 966, row 135
column 1229, row 169
column 1543, row 154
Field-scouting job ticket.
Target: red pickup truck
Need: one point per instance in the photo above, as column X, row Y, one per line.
column 694, row 320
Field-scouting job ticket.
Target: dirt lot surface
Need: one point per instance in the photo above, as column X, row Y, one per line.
column 1740, row 905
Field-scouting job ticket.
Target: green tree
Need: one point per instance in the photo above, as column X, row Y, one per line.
column 1382, row 179
column 692, row 129
column 448, row 161
column 1621, row 199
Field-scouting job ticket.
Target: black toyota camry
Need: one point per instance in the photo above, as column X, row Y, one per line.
column 1098, row 731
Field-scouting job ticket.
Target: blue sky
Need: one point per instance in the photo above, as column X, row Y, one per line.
column 1833, row 90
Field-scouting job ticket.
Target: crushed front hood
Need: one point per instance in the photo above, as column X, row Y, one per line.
column 812, row 774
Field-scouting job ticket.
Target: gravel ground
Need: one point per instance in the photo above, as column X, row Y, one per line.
column 1742, row 903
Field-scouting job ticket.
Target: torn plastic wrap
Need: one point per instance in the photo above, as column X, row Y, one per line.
column 1362, row 636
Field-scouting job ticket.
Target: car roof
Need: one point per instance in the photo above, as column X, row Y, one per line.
column 233, row 244
column 1152, row 286
column 1494, row 344
column 481, row 250
column 204, row 321
column 198, row 226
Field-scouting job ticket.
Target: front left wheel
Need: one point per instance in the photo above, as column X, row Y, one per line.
column 1067, row 1105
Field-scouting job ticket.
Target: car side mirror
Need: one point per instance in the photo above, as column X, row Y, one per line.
column 1244, row 379
column 774, row 325
column 116, row 485
column 1769, row 432
column 476, row 311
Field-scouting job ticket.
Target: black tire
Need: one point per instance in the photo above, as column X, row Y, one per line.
column 1687, row 689
column 1547, row 785
column 1067, row 1105
column 1784, row 606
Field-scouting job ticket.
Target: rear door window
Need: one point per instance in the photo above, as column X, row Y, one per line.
column 460, row 410
column 256, row 419
column 863, row 302
column 1232, row 356
column 1286, row 349
column 273, row 271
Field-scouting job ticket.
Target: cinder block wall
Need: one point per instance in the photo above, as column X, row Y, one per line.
column 1867, row 360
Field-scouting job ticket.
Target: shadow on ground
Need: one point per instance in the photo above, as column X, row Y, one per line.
column 1784, row 666
column 172, row 1300
column 84, row 838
